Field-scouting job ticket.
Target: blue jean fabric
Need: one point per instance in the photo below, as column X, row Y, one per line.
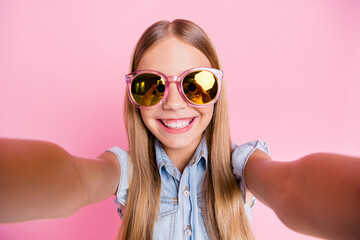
column 180, row 214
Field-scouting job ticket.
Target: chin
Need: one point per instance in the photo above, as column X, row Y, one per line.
column 179, row 142
column 176, row 143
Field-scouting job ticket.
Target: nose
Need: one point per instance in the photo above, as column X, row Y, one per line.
column 174, row 101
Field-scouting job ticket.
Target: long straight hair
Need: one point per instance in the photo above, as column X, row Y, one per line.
column 224, row 213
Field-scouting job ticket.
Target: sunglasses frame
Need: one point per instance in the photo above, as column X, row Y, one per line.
column 176, row 79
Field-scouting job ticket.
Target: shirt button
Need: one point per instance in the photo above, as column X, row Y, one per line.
column 186, row 192
column 188, row 231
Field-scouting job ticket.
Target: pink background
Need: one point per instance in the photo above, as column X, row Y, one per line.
column 292, row 70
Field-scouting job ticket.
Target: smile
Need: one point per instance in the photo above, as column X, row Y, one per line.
column 177, row 125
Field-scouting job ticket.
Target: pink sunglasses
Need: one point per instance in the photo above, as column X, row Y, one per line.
column 198, row 86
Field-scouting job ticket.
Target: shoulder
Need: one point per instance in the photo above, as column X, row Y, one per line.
column 250, row 146
column 241, row 153
column 114, row 156
column 118, row 152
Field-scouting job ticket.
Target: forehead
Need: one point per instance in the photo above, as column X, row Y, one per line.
column 172, row 56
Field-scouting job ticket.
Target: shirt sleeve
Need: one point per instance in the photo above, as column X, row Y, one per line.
column 123, row 187
column 240, row 156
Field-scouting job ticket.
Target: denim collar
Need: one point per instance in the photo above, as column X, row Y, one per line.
column 163, row 161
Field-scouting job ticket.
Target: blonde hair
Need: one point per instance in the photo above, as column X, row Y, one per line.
column 224, row 214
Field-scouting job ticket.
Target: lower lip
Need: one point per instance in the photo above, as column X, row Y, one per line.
column 177, row 131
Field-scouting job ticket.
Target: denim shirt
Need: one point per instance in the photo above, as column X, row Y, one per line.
column 180, row 213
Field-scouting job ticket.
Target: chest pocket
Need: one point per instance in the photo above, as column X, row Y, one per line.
column 167, row 206
column 164, row 228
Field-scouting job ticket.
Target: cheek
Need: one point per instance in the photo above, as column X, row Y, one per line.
column 142, row 114
column 207, row 114
column 146, row 116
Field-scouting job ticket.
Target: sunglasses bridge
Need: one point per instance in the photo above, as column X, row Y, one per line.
column 174, row 79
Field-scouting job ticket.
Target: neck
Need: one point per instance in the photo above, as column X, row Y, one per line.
column 182, row 156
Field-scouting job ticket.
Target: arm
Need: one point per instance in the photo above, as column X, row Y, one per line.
column 41, row 180
column 317, row 195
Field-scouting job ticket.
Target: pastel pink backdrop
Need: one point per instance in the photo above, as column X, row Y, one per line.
column 292, row 71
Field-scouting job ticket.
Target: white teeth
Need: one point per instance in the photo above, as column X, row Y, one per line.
column 176, row 124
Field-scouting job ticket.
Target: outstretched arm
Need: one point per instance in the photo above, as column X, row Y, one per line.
column 318, row 194
column 41, row 180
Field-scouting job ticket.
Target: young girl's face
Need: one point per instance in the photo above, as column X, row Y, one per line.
column 174, row 123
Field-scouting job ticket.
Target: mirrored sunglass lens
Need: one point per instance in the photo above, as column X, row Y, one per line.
column 200, row 87
column 147, row 89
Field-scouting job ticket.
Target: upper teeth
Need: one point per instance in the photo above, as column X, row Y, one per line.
column 176, row 124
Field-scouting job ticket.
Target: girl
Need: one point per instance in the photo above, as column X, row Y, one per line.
column 182, row 177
